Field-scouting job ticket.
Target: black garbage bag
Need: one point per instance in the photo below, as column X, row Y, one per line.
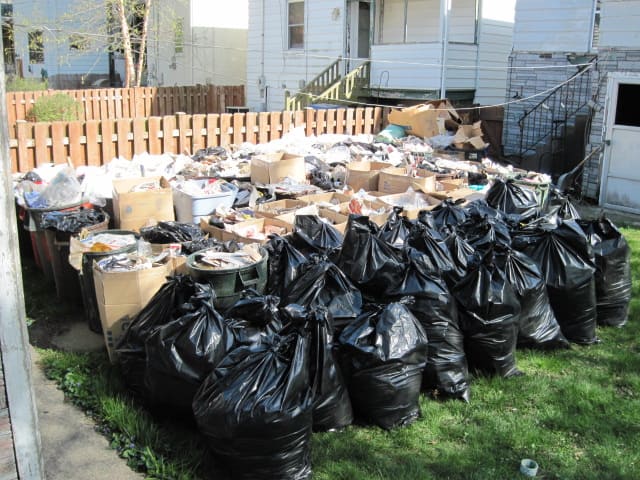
column 255, row 410
column 479, row 208
column 512, row 198
column 537, row 326
column 254, row 316
column 370, row 263
column 312, row 235
column 210, row 244
column 384, row 353
column 181, row 353
column 446, row 373
column 285, row 262
column 449, row 213
column 560, row 205
column 322, row 283
column 73, row 221
column 561, row 250
column 172, row 232
column 425, row 217
column 461, row 254
column 613, row 273
column 330, row 397
column 432, row 245
column 395, row 230
column 161, row 309
column 485, row 232
column 489, row 309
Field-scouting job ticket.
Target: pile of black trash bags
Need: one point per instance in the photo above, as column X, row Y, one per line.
column 354, row 327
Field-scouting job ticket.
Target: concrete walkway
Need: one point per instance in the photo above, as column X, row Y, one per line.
column 71, row 448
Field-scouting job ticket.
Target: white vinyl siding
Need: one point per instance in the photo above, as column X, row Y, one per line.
column 620, row 24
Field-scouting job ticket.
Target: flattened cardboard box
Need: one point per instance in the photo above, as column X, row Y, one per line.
column 121, row 296
column 279, row 207
column 275, row 167
column 133, row 210
column 364, row 175
column 426, row 120
column 241, row 230
column 398, row 180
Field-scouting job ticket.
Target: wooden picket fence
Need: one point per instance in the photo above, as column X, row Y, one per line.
column 96, row 142
column 116, row 103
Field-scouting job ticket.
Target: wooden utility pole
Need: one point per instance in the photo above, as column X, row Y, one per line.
column 14, row 341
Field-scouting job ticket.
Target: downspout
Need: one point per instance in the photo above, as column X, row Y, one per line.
column 262, row 81
column 191, row 59
column 445, row 6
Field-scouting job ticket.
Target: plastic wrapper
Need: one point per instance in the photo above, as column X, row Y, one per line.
column 255, row 410
column 448, row 213
column 512, row 198
column 384, row 352
column 395, row 230
column 181, row 353
column 64, row 189
column 489, row 311
column 613, row 274
column 321, row 283
column 537, row 325
column 159, row 311
column 172, row 232
column 285, row 262
column 561, row 250
column 73, row 221
column 330, row 397
column 446, row 373
column 313, row 235
column 370, row 263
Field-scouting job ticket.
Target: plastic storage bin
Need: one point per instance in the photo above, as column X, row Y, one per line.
column 192, row 208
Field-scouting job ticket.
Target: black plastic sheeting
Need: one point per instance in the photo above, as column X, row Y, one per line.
column 489, row 311
column 395, row 230
column 330, row 397
column 172, row 232
column 73, row 221
column 210, row 244
column 613, row 274
column 485, row 232
column 446, row 373
column 285, row 262
column 461, row 253
column 560, row 205
column 312, row 235
column 255, row 410
column 537, row 325
column 371, row 263
column 181, row 353
column 432, row 245
column 384, row 353
column 511, row 198
column 562, row 251
column 253, row 316
column 449, row 213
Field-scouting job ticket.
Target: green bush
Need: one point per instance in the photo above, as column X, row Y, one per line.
column 17, row 84
column 51, row 108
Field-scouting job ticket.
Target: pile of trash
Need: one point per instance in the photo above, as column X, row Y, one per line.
column 355, row 326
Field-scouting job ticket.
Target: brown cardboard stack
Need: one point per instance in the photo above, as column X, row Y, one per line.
column 364, row 175
column 275, row 167
column 398, row 180
column 469, row 137
column 425, row 120
column 135, row 209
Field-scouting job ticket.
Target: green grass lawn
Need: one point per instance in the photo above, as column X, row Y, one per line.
column 576, row 412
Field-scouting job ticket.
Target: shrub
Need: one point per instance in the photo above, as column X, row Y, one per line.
column 17, row 84
column 51, row 108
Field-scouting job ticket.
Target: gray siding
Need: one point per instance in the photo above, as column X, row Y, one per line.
column 620, row 24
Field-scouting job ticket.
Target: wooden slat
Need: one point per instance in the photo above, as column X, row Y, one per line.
column 23, row 134
column 331, row 121
column 41, row 135
column 184, row 143
column 92, row 146
column 168, row 140
column 275, row 126
column 321, row 122
column 197, row 139
column 348, row 128
column 359, row 121
column 213, row 123
column 58, row 137
column 108, row 147
column 76, row 149
column 263, row 127
column 340, row 113
column 298, row 118
column 155, row 142
column 251, row 119
column 139, row 132
column 225, row 127
column 310, row 121
column 238, row 127
column 287, row 121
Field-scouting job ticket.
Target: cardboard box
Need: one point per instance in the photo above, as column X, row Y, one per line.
column 469, row 137
column 121, row 296
column 412, row 203
column 275, row 167
column 398, row 180
column 133, row 210
column 337, row 219
column 364, row 175
column 245, row 231
column 334, row 198
column 220, row 234
column 425, row 120
column 463, row 192
column 279, row 207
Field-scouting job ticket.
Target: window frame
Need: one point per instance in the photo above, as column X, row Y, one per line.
column 35, row 40
column 178, row 36
column 295, row 25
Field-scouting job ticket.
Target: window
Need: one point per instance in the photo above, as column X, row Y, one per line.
column 78, row 42
column 295, row 25
column 178, row 35
column 418, row 21
column 36, row 46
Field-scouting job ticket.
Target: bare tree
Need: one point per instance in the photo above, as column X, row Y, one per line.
column 133, row 32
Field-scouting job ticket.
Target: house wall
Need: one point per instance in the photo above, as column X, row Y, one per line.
column 620, row 24
column 214, row 43
column 281, row 69
column 553, row 26
column 59, row 59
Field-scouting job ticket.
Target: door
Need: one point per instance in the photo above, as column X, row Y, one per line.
column 359, row 30
column 620, row 183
